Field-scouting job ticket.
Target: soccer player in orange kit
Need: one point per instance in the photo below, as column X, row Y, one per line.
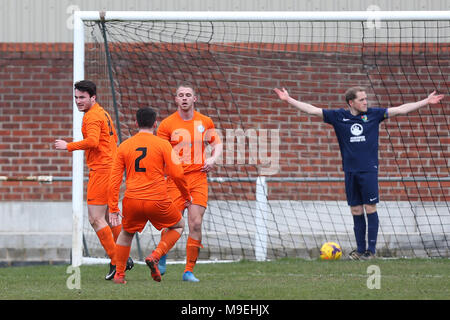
column 190, row 132
column 146, row 158
column 100, row 145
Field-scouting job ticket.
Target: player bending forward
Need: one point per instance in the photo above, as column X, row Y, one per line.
column 145, row 158
column 357, row 130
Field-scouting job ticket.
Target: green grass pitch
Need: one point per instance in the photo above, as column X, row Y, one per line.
column 283, row 279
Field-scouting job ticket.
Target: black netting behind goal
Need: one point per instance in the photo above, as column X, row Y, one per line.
column 278, row 190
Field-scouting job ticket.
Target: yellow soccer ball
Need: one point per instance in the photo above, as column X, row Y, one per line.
column 330, row 251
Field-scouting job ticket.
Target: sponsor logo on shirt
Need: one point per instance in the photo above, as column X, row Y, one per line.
column 356, row 130
column 201, row 128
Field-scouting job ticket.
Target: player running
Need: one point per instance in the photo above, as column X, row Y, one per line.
column 145, row 158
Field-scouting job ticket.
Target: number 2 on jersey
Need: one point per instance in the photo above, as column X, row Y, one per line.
column 137, row 167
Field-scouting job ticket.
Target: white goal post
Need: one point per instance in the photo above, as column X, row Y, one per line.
column 79, row 64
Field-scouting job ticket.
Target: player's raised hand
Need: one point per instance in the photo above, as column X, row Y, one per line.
column 433, row 98
column 282, row 94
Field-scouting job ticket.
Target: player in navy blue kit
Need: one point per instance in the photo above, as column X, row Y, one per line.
column 357, row 131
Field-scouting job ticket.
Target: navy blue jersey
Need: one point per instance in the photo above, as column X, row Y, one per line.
column 357, row 136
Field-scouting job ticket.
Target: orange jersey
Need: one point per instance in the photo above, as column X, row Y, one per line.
column 189, row 138
column 145, row 158
column 99, row 138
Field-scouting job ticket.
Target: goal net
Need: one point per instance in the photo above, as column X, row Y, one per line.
column 278, row 189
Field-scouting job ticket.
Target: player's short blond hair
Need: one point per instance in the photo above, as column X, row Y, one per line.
column 350, row 94
column 185, row 84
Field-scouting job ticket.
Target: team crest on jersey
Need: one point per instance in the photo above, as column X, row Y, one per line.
column 201, row 128
column 356, row 129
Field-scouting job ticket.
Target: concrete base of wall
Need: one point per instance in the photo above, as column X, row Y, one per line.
column 35, row 232
column 41, row 232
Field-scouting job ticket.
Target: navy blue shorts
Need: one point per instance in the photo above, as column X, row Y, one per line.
column 361, row 188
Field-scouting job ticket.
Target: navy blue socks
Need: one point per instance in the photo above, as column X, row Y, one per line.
column 372, row 230
column 360, row 232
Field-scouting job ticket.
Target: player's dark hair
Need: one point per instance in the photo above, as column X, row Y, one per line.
column 86, row 86
column 350, row 94
column 145, row 117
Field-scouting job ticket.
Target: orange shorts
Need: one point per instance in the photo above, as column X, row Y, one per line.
column 198, row 186
column 97, row 188
column 160, row 213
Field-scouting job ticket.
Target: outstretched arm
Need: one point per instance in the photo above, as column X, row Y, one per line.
column 92, row 140
column 410, row 107
column 302, row 106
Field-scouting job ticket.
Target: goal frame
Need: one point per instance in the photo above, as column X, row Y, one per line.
column 256, row 16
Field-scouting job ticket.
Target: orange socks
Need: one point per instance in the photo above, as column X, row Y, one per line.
column 106, row 239
column 116, row 231
column 168, row 240
column 192, row 250
column 122, row 254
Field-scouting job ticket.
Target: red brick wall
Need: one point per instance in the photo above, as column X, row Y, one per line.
column 36, row 108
